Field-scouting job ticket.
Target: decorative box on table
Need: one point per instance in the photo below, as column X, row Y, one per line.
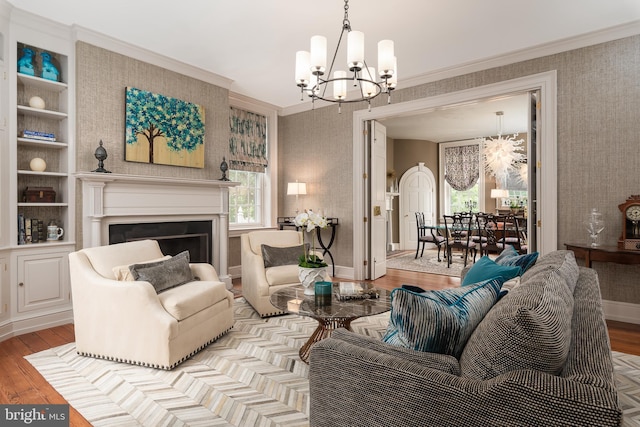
column 39, row 195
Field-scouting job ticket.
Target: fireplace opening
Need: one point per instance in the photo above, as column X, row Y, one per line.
column 173, row 237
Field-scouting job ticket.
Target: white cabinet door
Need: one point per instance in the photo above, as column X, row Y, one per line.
column 4, row 288
column 43, row 281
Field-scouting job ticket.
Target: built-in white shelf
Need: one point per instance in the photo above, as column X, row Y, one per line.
column 43, row 114
column 40, row 143
column 24, row 172
column 41, row 83
column 44, row 204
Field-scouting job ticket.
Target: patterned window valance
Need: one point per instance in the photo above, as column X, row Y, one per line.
column 462, row 166
column 247, row 141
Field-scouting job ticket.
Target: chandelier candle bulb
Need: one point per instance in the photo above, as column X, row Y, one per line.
column 368, row 88
column 355, row 50
column 303, row 71
column 393, row 80
column 318, row 55
column 385, row 58
column 340, row 86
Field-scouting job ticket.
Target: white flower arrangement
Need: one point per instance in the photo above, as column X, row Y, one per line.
column 309, row 221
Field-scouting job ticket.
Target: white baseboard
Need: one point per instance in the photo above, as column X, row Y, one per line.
column 621, row 311
column 24, row 326
column 235, row 271
column 344, row 272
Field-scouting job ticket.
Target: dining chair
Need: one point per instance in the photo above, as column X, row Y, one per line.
column 518, row 234
column 491, row 228
column 426, row 235
column 458, row 231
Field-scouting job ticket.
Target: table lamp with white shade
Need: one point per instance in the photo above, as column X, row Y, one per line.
column 297, row 189
column 499, row 193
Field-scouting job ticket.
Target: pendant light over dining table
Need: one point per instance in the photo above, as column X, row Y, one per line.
column 503, row 155
column 311, row 69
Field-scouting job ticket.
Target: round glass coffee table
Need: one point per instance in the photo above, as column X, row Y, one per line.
column 331, row 313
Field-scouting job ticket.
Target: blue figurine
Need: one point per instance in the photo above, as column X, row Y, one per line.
column 25, row 64
column 49, row 71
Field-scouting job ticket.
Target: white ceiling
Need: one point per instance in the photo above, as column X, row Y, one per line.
column 253, row 42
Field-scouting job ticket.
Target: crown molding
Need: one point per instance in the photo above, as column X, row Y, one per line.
column 238, row 99
column 27, row 22
column 118, row 46
column 563, row 45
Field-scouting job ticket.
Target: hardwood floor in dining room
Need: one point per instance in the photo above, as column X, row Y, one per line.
column 20, row 383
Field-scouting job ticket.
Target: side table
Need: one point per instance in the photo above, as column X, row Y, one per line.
column 603, row 254
column 287, row 221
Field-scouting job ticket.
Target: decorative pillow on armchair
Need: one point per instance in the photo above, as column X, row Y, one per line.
column 123, row 272
column 166, row 274
column 439, row 321
column 274, row 256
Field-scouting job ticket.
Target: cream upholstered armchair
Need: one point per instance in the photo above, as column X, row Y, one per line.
column 258, row 281
column 127, row 320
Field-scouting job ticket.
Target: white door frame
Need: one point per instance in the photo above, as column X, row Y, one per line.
column 420, row 169
column 547, row 130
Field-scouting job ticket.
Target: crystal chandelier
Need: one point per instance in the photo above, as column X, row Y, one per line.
column 311, row 67
column 502, row 155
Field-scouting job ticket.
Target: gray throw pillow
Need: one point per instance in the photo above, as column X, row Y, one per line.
column 274, row 256
column 166, row 274
column 529, row 328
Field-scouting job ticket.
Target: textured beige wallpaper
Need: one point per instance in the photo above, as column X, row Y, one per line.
column 101, row 79
column 598, row 160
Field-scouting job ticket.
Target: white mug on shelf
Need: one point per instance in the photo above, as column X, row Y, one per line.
column 54, row 232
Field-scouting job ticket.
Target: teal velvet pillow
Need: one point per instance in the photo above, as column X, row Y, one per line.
column 509, row 256
column 166, row 274
column 486, row 269
column 439, row 321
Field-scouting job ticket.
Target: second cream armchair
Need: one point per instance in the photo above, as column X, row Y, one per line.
column 258, row 282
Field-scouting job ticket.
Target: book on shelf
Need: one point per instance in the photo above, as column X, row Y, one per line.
column 30, row 230
column 21, row 231
column 349, row 290
column 41, row 136
column 27, row 230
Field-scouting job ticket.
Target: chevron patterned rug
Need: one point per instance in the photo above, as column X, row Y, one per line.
column 250, row 377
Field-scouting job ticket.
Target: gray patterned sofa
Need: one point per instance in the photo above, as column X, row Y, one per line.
column 540, row 357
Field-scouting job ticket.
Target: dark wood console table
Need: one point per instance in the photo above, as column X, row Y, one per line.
column 603, row 254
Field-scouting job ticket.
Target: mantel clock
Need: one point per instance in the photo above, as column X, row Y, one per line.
column 630, row 238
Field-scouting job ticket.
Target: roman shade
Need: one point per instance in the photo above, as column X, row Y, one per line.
column 247, row 141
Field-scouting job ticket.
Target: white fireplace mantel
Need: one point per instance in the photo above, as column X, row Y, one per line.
column 109, row 198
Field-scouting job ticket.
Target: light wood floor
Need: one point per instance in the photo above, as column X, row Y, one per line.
column 21, row 383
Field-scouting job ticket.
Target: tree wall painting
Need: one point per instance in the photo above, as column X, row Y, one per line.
column 163, row 130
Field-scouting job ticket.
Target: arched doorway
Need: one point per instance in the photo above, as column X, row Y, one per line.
column 417, row 194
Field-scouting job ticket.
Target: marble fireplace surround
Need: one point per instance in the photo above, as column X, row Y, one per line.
column 109, row 198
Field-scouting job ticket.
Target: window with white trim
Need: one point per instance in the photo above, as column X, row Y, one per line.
column 249, row 166
column 461, row 177
column 246, row 200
